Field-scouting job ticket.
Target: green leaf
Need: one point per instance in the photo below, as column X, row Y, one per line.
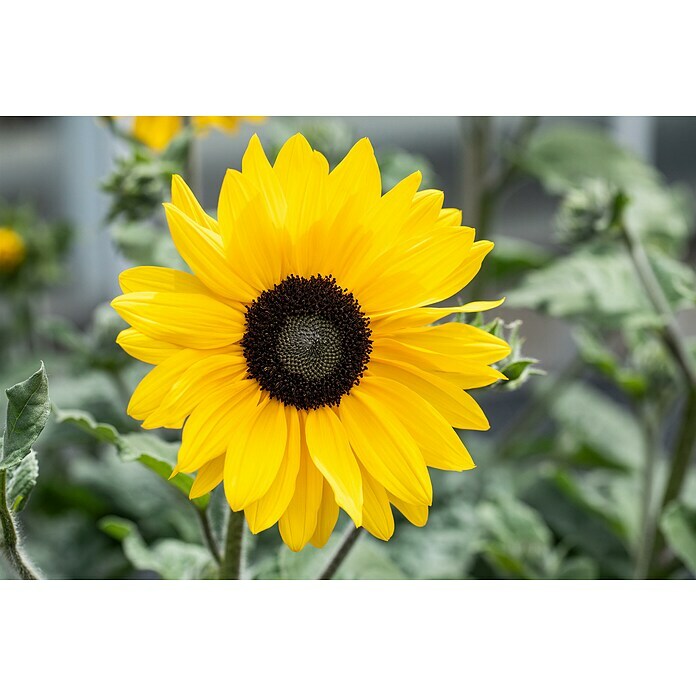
column 513, row 256
column 599, row 282
column 156, row 454
column 565, row 157
column 170, row 558
column 22, row 481
column 583, row 518
column 27, row 413
column 597, row 430
column 678, row 524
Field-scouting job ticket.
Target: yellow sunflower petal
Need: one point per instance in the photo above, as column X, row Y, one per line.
column 185, row 319
column 326, row 518
column 439, row 443
column 144, row 348
column 417, row 515
column 471, row 361
column 254, row 454
column 211, row 426
column 459, row 408
column 183, row 198
column 203, row 251
column 412, row 318
column 385, row 448
column 356, row 177
column 299, row 521
column 152, row 389
column 258, row 169
column 208, row 476
column 192, row 387
column 266, row 511
column 253, row 245
column 157, row 279
column 424, row 275
column 377, row 514
column 303, row 175
column 331, row 453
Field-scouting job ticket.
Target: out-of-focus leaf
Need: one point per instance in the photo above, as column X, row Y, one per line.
column 513, row 256
column 594, row 352
column 595, row 430
column 599, row 282
column 678, row 524
column 578, row 568
column 28, row 408
column 565, row 157
column 22, row 481
column 146, row 448
column 588, row 523
column 170, row 558
column 396, row 164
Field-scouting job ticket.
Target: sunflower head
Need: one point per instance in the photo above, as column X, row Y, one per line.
column 300, row 355
column 12, row 250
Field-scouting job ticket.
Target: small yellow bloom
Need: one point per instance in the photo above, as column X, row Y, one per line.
column 12, row 250
column 300, row 356
column 157, row 131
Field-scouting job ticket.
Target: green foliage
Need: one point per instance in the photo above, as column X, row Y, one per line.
column 678, row 524
column 141, row 179
column 46, row 245
column 566, row 157
column 21, row 482
column 598, row 282
column 156, row 454
column 28, row 409
column 171, row 559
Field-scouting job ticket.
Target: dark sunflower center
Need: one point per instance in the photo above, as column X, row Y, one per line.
column 307, row 342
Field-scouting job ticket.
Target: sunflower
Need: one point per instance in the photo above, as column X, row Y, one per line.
column 299, row 356
column 12, row 250
column 157, row 131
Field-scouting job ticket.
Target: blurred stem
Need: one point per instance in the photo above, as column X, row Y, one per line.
column 674, row 342
column 349, row 538
column 671, row 335
column 651, row 432
column 681, row 458
column 208, row 534
column 233, row 561
column 10, row 539
column 477, row 132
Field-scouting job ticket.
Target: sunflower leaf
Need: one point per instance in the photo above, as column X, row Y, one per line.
column 28, row 409
column 22, row 481
column 171, row 559
column 678, row 524
column 156, row 454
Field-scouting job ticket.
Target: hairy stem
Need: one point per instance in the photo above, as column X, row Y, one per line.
column 233, row 560
column 10, row 540
column 349, row 538
column 208, row 535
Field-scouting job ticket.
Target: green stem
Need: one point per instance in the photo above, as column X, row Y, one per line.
column 670, row 332
column 208, row 534
column 233, row 560
column 673, row 341
column 10, row 539
column 349, row 538
column 681, row 458
column 647, row 523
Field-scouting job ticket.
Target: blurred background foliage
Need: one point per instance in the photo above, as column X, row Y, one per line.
column 587, row 471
